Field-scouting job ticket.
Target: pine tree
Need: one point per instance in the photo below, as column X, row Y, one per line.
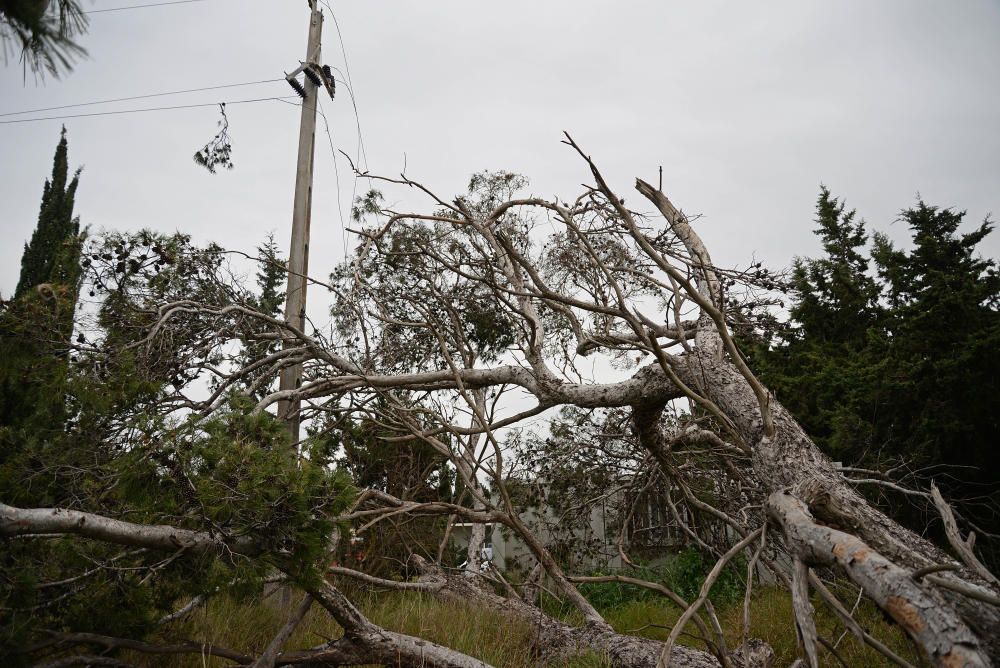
column 271, row 276
column 944, row 325
column 834, row 311
column 900, row 367
column 44, row 31
column 836, row 298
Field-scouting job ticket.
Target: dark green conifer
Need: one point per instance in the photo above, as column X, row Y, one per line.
column 272, row 273
column 37, row 324
column 52, row 255
column 943, row 323
column 835, row 306
column 835, row 296
column 900, row 366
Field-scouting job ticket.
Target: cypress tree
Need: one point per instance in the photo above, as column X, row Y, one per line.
column 52, row 255
column 36, row 325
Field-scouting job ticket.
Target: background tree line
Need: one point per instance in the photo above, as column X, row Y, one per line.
column 890, row 357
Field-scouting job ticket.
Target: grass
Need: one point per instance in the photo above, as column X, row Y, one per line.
column 248, row 628
column 494, row 639
column 771, row 620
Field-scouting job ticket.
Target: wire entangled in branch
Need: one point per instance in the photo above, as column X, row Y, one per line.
column 217, row 152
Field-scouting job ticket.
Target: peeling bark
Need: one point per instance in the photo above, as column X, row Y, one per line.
column 785, row 458
column 933, row 625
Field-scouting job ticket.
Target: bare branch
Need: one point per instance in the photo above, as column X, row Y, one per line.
column 21, row 521
column 962, row 547
column 270, row 655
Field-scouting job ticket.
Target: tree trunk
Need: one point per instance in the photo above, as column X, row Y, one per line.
column 789, row 462
column 556, row 640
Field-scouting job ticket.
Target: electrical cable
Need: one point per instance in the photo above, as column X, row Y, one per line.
column 347, row 75
column 137, row 111
column 153, row 4
column 361, row 152
column 336, row 177
column 139, row 97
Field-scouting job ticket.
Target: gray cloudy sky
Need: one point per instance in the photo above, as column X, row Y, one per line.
column 748, row 107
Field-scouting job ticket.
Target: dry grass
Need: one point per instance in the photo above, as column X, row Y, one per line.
column 771, row 619
column 248, row 628
column 493, row 638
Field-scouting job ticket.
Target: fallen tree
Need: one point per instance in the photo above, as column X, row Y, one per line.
column 446, row 322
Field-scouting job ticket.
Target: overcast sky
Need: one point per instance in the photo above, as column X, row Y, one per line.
column 747, row 106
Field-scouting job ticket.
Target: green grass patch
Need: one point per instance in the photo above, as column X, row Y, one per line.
column 488, row 635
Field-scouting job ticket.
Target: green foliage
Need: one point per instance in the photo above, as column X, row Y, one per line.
column 900, row 365
column 271, row 277
column 410, row 469
column 610, row 595
column 688, row 569
column 374, row 457
column 219, row 150
column 684, row 573
column 270, row 300
column 36, row 325
column 943, row 379
column 412, row 290
column 38, row 322
column 835, row 307
column 231, row 475
column 52, row 255
column 83, row 425
column 836, row 299
column 421, row 277
column 245, row 483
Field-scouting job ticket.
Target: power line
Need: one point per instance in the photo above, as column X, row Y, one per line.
column 138, row 111
column 336, row 176
column 350, row 82
column 361, row 153
column 153, row 4
column 138, row 97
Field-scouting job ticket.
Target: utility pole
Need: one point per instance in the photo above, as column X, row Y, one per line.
column 298, row 255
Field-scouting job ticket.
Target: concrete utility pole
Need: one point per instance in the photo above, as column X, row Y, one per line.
column 298, row 255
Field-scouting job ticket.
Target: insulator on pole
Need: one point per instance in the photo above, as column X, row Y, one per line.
column 297, row 87
column 331, row 83
column 311, row 74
